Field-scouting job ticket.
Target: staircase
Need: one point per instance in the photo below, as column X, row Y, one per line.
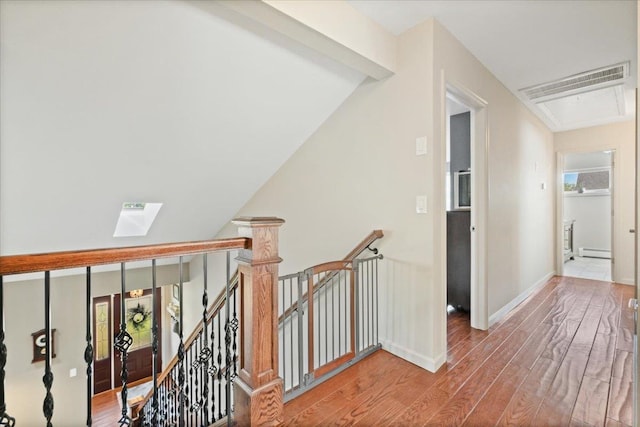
column 306, row 326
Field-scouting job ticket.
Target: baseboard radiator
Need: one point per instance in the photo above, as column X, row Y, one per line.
column 594, row 253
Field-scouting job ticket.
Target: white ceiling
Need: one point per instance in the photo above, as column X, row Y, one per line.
column 105, row 102
column 524, row 43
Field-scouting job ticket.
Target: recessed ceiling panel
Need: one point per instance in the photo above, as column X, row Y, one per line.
column 576, row 110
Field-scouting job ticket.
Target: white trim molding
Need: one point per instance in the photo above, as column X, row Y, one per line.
column 498, row 315
column 431, row 365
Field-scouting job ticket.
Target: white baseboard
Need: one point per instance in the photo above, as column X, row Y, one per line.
column 517, row 300
column 420, row 360
column 625, row 282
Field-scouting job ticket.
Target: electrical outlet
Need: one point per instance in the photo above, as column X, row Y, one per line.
column 73, row 372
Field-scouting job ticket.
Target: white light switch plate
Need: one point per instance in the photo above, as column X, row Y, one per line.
column 421, row 204
column 421, row 146
column 73, row 372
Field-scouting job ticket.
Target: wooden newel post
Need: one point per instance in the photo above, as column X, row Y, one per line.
column 258, row 390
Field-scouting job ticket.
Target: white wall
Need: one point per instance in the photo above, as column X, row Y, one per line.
column 592, row 216
column 619, row 137
column 359, row 171
column 24, row 314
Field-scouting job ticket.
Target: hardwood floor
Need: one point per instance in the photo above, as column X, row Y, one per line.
column 562, row 358
column 105, row 409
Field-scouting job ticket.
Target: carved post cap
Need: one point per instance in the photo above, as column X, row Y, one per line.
column 263, row 232
column 244, row 222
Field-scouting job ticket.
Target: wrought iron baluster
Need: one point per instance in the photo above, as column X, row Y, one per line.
column 234, row 325
column 220, row 415
column 122, row 342
column 227, row 339
column 188, row 390
column 181, row 352
column 47, row 379
column 154, row 331
column 88, row 352
column 5, row 419
column 214, row 371
column 205, row 355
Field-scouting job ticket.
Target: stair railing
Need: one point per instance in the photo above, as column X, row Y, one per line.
column 222, row 366
column 174, row 398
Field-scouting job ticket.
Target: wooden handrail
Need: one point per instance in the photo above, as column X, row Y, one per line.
column 364, row 244
column 17, row 264
column 372, row 237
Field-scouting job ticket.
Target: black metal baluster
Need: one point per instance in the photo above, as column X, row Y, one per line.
column 220, row 415
column 234, row 325
column 47, row 379
column 5, row 419
column 227, row 341
column 213, row 372
column 88, row 352
column 122, row 342
column 206, row 352
column 154, row 348
column 188, row 379
column 181, row 353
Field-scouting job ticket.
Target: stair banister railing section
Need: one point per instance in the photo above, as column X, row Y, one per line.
column 326, row 330
column 257, row 400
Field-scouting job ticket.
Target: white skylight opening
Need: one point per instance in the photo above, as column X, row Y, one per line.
column 136, row 218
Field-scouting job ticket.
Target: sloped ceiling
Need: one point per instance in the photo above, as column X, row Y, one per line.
column 105, row 102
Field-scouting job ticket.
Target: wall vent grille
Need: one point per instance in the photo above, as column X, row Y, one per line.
column 577, row 83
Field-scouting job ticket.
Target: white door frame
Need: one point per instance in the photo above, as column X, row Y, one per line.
column 479, row 198
column 560, row 155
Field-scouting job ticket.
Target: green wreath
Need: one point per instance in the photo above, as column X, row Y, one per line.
column 137, row 316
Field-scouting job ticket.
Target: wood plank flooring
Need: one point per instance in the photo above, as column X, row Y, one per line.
column 564, row 357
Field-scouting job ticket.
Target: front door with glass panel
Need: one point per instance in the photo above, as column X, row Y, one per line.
column 138, row 322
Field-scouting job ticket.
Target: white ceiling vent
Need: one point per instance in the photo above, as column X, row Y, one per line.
column 578, row 83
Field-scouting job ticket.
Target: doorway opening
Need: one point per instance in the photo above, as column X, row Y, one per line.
column 587, row 215
column 459, row 207
column 464, row 193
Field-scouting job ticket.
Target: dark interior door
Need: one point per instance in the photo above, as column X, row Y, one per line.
column 138, row 321
column 101, row 344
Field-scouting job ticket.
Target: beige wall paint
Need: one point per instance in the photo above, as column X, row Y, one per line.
column 359, row 172
column 519, row 253
column 620, row 137
column 24, row 314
